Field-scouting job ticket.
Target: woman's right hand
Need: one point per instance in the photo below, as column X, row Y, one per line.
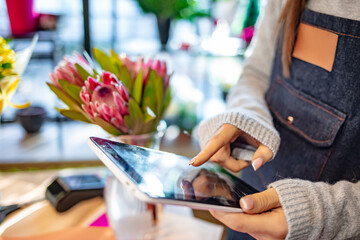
column 219, row 151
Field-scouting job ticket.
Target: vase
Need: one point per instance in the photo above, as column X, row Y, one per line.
column 129, row 217
column 31, row 118
column 23, row 18
column 163, row 26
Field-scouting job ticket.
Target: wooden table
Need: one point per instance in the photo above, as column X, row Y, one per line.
column 41, row 221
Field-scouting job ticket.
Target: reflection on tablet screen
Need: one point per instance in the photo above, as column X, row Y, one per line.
column 165, row 175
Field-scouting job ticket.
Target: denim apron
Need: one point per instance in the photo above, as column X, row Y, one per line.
column 316, row 112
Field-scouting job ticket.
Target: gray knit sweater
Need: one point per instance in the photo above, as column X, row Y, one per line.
column 313, row 210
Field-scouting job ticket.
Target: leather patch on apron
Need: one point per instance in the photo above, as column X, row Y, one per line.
column 316, row 46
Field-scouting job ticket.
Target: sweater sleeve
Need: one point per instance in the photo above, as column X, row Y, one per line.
column 246, row 106
column 320, row 210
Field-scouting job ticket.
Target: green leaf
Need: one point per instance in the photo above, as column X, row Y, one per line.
column 128, row 122
column 137, row 89
column 95, row 73
column 6, row 66
column 83, row 73
column 75, row 115
column 149, row 118
column 114, row 56
column 166, row 101
column 148, row 115
column 116, row 62
column 159, row 94
column 149, row 98
column 125, row 78
column 107, row 126
column 69, row 101
column 104, row 60
column 72, row 90
column 136, row 117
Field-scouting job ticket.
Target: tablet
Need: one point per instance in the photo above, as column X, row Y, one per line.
column 161, row 177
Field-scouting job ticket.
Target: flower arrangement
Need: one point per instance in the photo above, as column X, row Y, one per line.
column 7, row 59
column 11, row 67
column 123, row 97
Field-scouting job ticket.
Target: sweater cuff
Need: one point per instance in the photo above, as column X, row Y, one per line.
column 258, row 129
column 301, row 211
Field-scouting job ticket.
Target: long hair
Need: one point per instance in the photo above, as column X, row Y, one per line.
column 288, row 23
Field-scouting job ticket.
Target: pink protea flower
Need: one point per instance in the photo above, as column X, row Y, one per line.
column 107, row 99
column 123, row 97
column 158, row 66
column 160, row 69
column 66, row 70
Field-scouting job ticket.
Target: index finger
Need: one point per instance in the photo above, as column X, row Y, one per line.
column 224, row 136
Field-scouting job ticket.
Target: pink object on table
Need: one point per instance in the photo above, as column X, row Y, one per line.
column 23, row 19
column 102, row 221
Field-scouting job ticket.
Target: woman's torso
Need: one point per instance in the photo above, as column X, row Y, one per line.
column 317, row 110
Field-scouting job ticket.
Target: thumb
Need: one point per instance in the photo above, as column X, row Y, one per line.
column 262, row 155
column 260, row 202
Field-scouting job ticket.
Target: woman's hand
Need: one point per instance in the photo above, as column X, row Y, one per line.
column 263, row 219
column 218, row 149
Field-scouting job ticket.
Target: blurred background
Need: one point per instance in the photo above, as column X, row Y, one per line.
column 202, row 41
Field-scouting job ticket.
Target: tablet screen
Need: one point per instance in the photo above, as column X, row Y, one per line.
column 166, row 175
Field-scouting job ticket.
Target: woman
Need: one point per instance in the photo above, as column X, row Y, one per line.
column 303, row 87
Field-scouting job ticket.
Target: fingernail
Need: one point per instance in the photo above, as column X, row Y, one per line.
column 192, row 161
column 247, row 203
column 257, row 163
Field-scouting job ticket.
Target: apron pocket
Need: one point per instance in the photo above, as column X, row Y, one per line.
column 309, row 118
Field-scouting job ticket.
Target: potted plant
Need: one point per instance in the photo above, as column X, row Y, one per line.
column 166, row 10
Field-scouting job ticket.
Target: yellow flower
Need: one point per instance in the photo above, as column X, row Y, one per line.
column 7, row 59
column 9, row 79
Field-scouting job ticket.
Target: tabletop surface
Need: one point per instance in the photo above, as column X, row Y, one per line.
column 41, row 221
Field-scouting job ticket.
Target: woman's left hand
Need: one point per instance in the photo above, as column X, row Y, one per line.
column 263, row 216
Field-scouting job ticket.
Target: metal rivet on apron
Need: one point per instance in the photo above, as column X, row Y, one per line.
column 290, row 119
